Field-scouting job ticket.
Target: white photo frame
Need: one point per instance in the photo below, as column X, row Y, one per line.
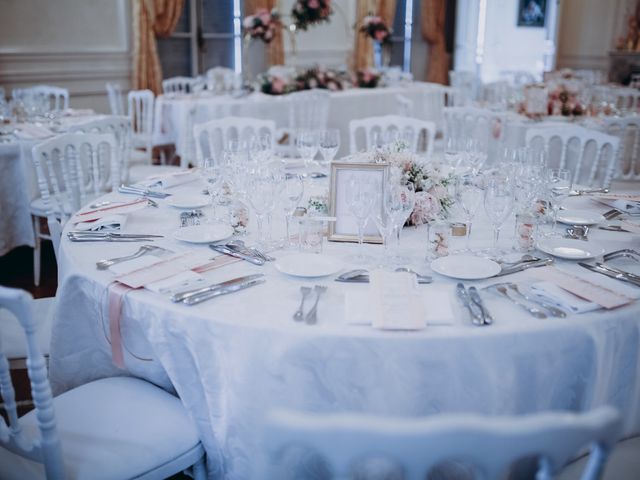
column 345, row 228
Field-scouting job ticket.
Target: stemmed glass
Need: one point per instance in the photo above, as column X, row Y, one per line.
column 260, row 149
column 475, row 154
column 559, row 189
column 386, row 227
column 291, row 192
column 453, row 152
column 262, row 197
column 498, row 203
column 361, row 197
column 399, row 201
column 329, row 144
column 213, row 176
column 307, row 145
column 469, row 193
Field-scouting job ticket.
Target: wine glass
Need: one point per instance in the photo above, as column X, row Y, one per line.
column 453, row 152
column 262, row 198
column 475, row 154
column 559, row 188
column 361, row 197
column 307, row 146
column 291, row 192
column 399, row 201
column 498, row 203
column 386, row 227
column 469, row 194
column 329, row 144
column 213, row 177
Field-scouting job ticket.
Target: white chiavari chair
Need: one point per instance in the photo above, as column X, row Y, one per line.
column 56, row 97
column 178, row 85
column 485, row 125
column 72, row 169
column 212, row 137
column 627, row 129
column 119, row 427
column 408, row 129
column 590, row 155
column 341, row 445
column 116, row 101
column 221, row 79
column 627, row 100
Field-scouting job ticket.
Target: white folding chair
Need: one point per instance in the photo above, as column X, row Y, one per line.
column 116, row 102
column 120, row 127
column 119, row 427
column 341, row 444
column 57, row 97
column 590, row 155
column 486, row 125
column 178, row 85
column 212, row 137
column 409, row 129
column 72, row 169
column 221, row 79
column 627, row 129
column 627, row 100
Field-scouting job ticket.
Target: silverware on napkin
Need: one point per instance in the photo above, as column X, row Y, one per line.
column 143, row 250
column 234, row 253
column 519, row 267
column 610, row 272
column 143, row 192
column 362, row 276
column 475, row 298
column 501, row 289
column 312, row 316
column 187, row 294
column 477, row 315
column 201, row 297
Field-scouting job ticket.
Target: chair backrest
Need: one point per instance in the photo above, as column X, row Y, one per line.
column 221, row 79
column 627, row 129
column 409, row 129
column 627, row 100
column 488, row 444
column 497, row 93
column 120, row 127
column 486, row 125
column 308, row 109
column 180, row 85
column 590, row 155
column 141, row 107
column 46, row 449
column 518, row 77
column 212, row 137
column 116, row 101
column 57, row 97
column 72, row 168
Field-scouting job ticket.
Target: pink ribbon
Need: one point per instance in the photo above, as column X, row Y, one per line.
column 116, row 292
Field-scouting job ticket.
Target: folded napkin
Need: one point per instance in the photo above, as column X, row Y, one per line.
column 108, row 223
column 562, row 298
column 170, row 180
column 30, row 131
column 431, row 304
column 134, row 264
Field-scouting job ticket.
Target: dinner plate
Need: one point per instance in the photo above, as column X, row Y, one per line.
column 465, row 267
column 579, row 217
column 203, row 233
column 569, row 249
column 188, row 201
column 308, row 265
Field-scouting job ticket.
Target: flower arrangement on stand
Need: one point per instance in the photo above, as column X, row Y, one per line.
column 317, row 77
column 262, row 25
column 308, row 12
column 374, row 27
column 366, row 78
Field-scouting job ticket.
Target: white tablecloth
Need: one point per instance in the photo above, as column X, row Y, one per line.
column 234, row 358
column 171, row 113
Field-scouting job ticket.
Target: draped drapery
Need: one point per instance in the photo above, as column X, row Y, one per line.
column 275, row 49
column 151, row 19
column 363, row 46
column 433, row 23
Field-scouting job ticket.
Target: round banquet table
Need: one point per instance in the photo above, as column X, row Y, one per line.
column 234, row 358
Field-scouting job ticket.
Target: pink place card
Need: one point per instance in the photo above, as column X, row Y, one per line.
column 167, row 267
column 123, row 208
column 581, row 288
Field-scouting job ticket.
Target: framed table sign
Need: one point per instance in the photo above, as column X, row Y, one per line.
column 345, row 228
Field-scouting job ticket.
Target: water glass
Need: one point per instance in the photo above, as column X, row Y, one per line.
column 439, row 234
column 329, row 144
column 311, row 235
column 498, row 203
column 468, row 194
column 291, row 192
column 525, row 232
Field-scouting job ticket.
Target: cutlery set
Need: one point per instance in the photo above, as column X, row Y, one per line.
column 199, row 295
column 362, row 276
column 237, row 249
column 311, row 318
column 535, row 305
column 89, row 236
column 191, row 217
column 473, row 303
column 143, row 250
column 613, row 272
column 143, row 192
column 525, row 263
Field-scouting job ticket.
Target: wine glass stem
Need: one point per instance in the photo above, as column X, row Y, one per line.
column 361, row 235
column 496, row 236
column 468, row 235
column 398, row 229
column 268, row 232
column 287, row 221
column 259, row 219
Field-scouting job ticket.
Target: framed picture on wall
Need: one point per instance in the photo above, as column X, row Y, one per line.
column 532, row 13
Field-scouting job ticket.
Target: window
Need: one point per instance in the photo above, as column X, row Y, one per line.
column 208, row 35
column 402, row 31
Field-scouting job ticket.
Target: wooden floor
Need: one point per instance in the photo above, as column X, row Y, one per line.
column 16, row 270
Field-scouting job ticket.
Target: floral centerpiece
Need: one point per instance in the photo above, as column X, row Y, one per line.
column 563, row 100
column 320, row 78
column 375, row 28
column 274, row 84
column 308, row 12
column 262, row 25
column 366, row 78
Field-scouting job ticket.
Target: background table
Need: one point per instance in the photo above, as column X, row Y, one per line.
column 234, row 358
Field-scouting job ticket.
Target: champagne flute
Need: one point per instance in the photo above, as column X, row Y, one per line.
column 329, row 144
column 498, row 203
column 262, row 198
column 307, row 146
column 469, row 194
column 361, row 196
column 559, row 188
column 213, row 177
column 399, row 201
column 291, row 192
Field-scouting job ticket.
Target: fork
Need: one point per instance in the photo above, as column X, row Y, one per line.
column 144, row 249
column 299, row 315
column 312, row 317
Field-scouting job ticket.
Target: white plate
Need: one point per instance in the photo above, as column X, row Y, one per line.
column 569, row 248
column 203, row 233
column 308, row 265
column 579, row 217
column 465, row 267
column 188, row 201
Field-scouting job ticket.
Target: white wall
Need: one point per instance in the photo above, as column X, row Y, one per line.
column 76, row 44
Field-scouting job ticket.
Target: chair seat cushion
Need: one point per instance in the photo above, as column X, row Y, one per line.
column 114, row 428
column 14, row 342
column 138, row 173
column 623, row 463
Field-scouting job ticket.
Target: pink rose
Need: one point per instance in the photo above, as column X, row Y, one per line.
column 332, row 86
column 426, row 208
column 277, row 85
column 380, row 35
column 315, row 4
column 264, row 16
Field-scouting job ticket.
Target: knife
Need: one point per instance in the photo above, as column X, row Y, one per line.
column 181, row 296
column 201, row 297
column 630, row 275
column 78, row 233
column 365, row 279
column 144, row 192
column 609, row 273
column 475, row 298
column 236, row 254
column 463, row 295
column 524, row 266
